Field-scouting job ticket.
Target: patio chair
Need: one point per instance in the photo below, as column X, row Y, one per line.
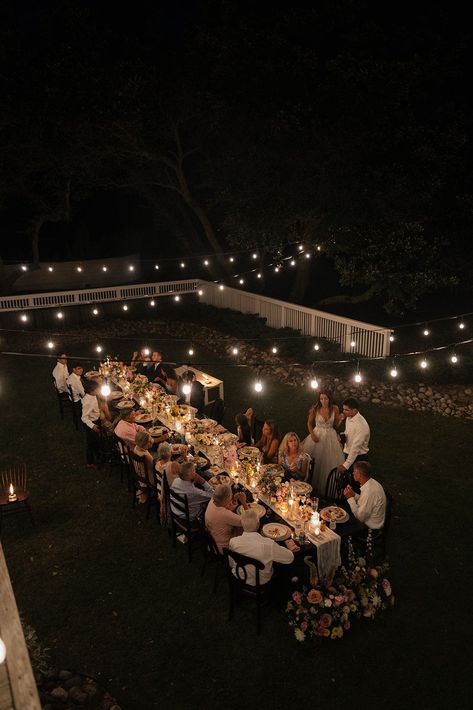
column 141, row 483
column 237, row 575
column 181, row 524
column 211, row 553
column 335, row 483
column 13, row 480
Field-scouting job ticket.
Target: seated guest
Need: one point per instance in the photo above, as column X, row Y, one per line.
column 220, row 520
column 127, row 427
column 164, row 466
column 254, row 545
column 171, row 379
column 143, row 442
column 61, row 373
column 369, row 506
column 194, row 396
column 185, row 484
column 243, row 430
column 91, row 420
column 107, row 422
column 155, row 370
column 74, row 381
column 294, row 462
column 140, row 362
column 269, row 442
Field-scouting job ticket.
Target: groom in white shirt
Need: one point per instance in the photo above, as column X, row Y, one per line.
column 357, row 437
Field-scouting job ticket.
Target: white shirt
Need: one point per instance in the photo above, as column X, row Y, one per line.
column 252, row 544
column 357, row 434
column 369, row 507
column 90, row 410
column 76, row 385
column 60, row 374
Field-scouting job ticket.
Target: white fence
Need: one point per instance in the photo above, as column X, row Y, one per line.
column 370, row 340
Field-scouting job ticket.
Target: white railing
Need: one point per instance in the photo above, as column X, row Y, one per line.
column 95, row 295
column 370, row 340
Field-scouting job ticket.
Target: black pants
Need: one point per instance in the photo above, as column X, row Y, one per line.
column 92, row 444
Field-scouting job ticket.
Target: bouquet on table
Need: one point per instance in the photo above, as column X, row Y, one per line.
column 372, row 587
column 271, row 479
column 139, row 386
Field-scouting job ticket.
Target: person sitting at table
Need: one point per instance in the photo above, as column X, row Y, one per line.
column 254, row 545
column 369, row 506
column 140, row 362
column 185, row 484
column 194, row 396
column 107, row 422
column 74, row 381
column 165, row 466
column 243, row 430
column 269, row 442
column 220, row 520
column 91, row 421
column 291, row 457
column 61, row 373
column 155, row 369
column 171, row 379
column 127, row 427
column 143, row 443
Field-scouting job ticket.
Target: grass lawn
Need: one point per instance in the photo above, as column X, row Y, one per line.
column 109, row 595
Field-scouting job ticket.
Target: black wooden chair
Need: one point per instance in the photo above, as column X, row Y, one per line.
column 141, row 479
column 211, row 554
column 181, row 524
column 13, row 482
column 375, row 539
column 63, row 399
column 237, row 575
column 76, row 408
column 125, row 463
column 335, row 484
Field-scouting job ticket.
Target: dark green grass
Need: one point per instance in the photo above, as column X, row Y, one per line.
column 109, row 595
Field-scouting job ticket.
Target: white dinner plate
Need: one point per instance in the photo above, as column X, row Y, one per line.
column 341, row 516
column 116, row 394
column 301, row 488
column 276, row 531
column 157, row 430
column 144, row 418
column 126, row 404
column 260, row 509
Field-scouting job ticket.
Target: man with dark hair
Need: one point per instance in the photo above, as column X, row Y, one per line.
column 61, row 373
column 154, row 370
column 191, row 392
column 74, row 381
column 357, row 436
column 369, row 506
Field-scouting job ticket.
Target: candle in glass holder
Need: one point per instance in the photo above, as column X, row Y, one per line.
column 315, row 523
column 291, row 507
column 284, row 507
column 11, row 494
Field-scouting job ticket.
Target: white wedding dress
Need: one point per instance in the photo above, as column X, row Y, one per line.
column 327, row 452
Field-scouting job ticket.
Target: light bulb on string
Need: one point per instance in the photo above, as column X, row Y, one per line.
column 50, row 344
column 131, row 267
column 221, row 287
column 60, row 315
column 156, row 266
column 358, row 378
column 424, row 364
column 231, row 259
column 95, row 311
column 352, row 343
column 301, row 247
column 24, row 268
column 461, row 325
column 191, row 351
column 292, row 262
column 454, row 359
column 276, row 269
column 206, row 262
column 258, row 275
column 241, row 282
column 182, row 265
column 426, row 332
column 152, row 302
column 177, row 298
column 393, row 371
column 125, row 307
column 258, row 386
column 314, row 383
column 307, row 255
column 200, row 292
column 104, row 268
column 79, row 269
column 254, row 256
column 316, row 346
column 274, row 350
column 24, row 317
column 146, row 352
column 50, row 268
column 391, row 338
column 105, row 390
column 319, row 248
column 186, row 389
column 234, row 351
column 99, row 348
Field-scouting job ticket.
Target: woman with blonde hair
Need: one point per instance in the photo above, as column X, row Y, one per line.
column 165, row 467
column 291, row 457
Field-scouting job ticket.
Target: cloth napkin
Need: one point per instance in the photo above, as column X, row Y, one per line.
column 291, row 545
column 328, row 550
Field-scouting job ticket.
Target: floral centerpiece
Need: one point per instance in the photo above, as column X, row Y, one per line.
column 324, row 609
column 204, row 438
column 113, row 369
column 271, row 479
column 139, row 386
column 372, row 587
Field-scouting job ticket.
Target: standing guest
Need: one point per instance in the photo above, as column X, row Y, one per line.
column 194, row 396
column 155, row 370
column 293, row 460
column 254, row 545
column 91, row 420
column 357, row 437
column 220, row 520
column 369, row 506
column 185, row 484
column 323, row 444
column 269, row 442
column 127, row 427
column 243, row 430
column 61, row 373
column 74, row 381
column 170, row 379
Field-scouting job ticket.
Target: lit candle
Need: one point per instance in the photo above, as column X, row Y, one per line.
column 11, row 494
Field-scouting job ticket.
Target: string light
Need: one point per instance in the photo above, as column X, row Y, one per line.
column 319, row 247
column 274, row 350
column 258, row 386
column 183, row 266
column 424, row 364
column 99, row 348
column 95, row 311
column 231, row 259
column 234, row 351
column 60, row 315
column 125, row 307
column 50, row 344
column 156, row 266
column 152, row 302
column 24, row 268
column 177, row 298
column 50, row 268
column 206, row 262
column 461, row 325
column 292, row 262
column 307, row 255
column 105, row 390
column 191, row 351
column 393, row 371
column 301, row 247
column 24, row 317
column 258, row 275
column 391, row 338
column 352, row 344
column 316, row 346
column 276, row 269
column 254, row 256
column 131, row 267
column 104, row 268
column 426, row 332
column 241, row 282
column 146, row 352
column 454, row 359
column 221, row 287
column 358, row 378
column 314, row 383
column 200, row 292
column 79, row 269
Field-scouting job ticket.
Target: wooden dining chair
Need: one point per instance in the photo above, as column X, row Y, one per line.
column 63, row 399
column 142, row 483
column 335, row 485
column 211, row 553
column 14, row 479
column 237, row 575
column 181, row 524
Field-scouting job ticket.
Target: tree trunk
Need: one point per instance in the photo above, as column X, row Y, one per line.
column 33, row 231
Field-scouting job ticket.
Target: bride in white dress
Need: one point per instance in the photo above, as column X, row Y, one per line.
column 323, row 443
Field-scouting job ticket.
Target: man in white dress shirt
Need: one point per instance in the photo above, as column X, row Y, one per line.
column 61, row 373
column 369, row 506
column 252, row 544
column 357, row 436
column 75, row 383
column 91, row 421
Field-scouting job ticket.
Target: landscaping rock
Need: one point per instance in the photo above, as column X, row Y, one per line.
column 64, row 675
column 59, row 694
column 77, row 695
column 74, row 680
